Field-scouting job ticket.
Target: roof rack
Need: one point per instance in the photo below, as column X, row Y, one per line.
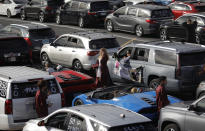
column 5, row 76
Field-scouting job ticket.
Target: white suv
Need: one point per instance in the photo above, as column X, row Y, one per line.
column 78, row 50
column 18, row 86
column 11, row 7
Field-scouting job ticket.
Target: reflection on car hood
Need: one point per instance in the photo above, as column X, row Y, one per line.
column 179, row 106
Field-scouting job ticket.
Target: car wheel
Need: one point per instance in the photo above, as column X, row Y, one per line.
column 154, row 83
column 8, row 13
column 139, row 30
column 42, row 17
column 163, row 34
column 44, row 59
column 23, row 15
column 77, row 66
column 171, row 127
column 81, row 22
column 202, row 94
column 198, row 40
column 78, row 102
column 58, row 19
column 109, row 26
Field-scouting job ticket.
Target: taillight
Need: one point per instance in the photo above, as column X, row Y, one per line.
column 30, row 45
column 62, row 99
column 48, row 8
column 178, row 68
column 92, row 13
column 8, row 107
column 151, row 21
column 92, row 53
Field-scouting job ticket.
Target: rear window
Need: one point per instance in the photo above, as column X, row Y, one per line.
column 104, row 43
column 200, row 8
column 29, row 89
column 42, row 33
column 165, row 58
column 99, row 6
column 20, row 1
column 192, row 59
column 135, row 127
column 161, row 13
column 3, row 88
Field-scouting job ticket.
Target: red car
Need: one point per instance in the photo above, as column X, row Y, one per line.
column 180, row 8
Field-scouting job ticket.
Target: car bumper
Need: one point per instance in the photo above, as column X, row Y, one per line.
column 6, row 123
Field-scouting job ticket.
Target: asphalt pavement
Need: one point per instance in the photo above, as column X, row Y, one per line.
column 122, row 37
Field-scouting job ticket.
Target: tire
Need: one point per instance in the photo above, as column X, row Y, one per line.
column 8, row 13
column 77, row 66
column 154, row 83
column 198, row 39
column 201, row 94
column 81, row 22
column 23, row 15
column 41, row 17
column 171, row 127
column 78, row 102
column 44, row 59
column 139, row 31
column 58, row 19
column 109, row 26
column 163, row 34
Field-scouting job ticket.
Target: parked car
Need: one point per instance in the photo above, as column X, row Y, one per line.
column 14, row 50
column 17, row 93
column 140, row 19
column 183, row 116
column 43, row 10
column 181, row 8
column 176, row 29
column 73, row 83
column 78, row 50
column 91, row 118
column 134, row 2
column 83, row 12
column 180, row 62
column 11, row 7
column 35, row 34
column 142, row 102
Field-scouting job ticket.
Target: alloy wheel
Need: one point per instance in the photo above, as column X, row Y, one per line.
column 23, row 15
column 58, row 19
column 109, row 25
column 81, row 22
column 41, row 17
column 44, row 59
column 139, row 31
column 163, row 34
column 77, row 66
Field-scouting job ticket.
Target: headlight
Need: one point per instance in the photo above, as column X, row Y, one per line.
column 98, row 127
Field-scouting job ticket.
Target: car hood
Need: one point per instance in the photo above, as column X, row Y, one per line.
column 179, row 106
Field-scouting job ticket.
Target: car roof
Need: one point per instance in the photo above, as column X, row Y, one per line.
column 149, row 6
column 178, row 47
column 31, row 25
column 90, row 0
column 22, row 73
column 110, row 114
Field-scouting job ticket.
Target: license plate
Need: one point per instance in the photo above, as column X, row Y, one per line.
column 103, row 13
column 12, row 59
column 46, row 41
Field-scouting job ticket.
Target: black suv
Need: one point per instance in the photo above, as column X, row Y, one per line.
column 42, row 10
column 14, row 50
column 83, row 12
column 177, row 30
column 35, row 34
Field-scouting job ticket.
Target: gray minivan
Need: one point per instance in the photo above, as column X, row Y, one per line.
column 140, row 19
column 179, row 62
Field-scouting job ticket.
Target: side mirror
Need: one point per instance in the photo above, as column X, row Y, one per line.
column 115, row 55
column 41, row 123
column 116, row 14
column 192, row 107
column 53, row 44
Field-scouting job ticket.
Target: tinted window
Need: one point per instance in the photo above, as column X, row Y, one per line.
column 192, row 59
column 61, row 41
column 74, row 42
column 74, row 5
column 104, row 43
column 121, row 11
column 162, row 13
column 200, row 8
column 132, row 11
column 29, row 89
column 99, row 6
column 141, row 54
column 83, row 6
column 123, row 52
column 20, row 1
column 165, row 58
column 143, row 13
column 41, row 33
column 3, row 88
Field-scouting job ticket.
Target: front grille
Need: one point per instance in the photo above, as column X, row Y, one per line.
column 153, row 103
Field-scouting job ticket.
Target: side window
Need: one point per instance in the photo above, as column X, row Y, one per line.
column 165, row 58
column 201, row 106
column 16, row 31
column 132, row 11
column 57, row 121
column 121, row 11
column 141, row 54
column 3, row 88
column 80, row 44
column 83, row 5
column 72, row 42
column 180, row 7
column 143, row 13
column 75, row 123
column 123, row 52
column 74, row 5
column 61, row 41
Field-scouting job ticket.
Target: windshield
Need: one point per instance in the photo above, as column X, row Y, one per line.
column 29, row 89
column 189, row 59
column 104, row 43
column 20, row 1
column 99, row 6
column 162, row 13
column 41, row 33
column 200, row 8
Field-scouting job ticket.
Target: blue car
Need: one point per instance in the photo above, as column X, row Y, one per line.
column 142, row 100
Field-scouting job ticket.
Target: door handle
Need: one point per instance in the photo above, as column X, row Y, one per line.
column 59, row 49
column 73, row 50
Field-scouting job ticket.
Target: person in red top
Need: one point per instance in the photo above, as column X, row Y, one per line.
column 161, row 94
column 40, row 99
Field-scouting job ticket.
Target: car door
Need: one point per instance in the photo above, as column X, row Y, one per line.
column 32, row 8
column 74, row 12
column 1, row 7
column 129, row 20
column 56, row 50
column 6, row 5
column 65, row 12
column 195, row 119
column 119, row 18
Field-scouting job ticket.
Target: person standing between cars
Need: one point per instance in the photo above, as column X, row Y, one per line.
column 40, row 99
column 102, row 76
column 48, row 68
column 161, row 94
column 191, row 27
